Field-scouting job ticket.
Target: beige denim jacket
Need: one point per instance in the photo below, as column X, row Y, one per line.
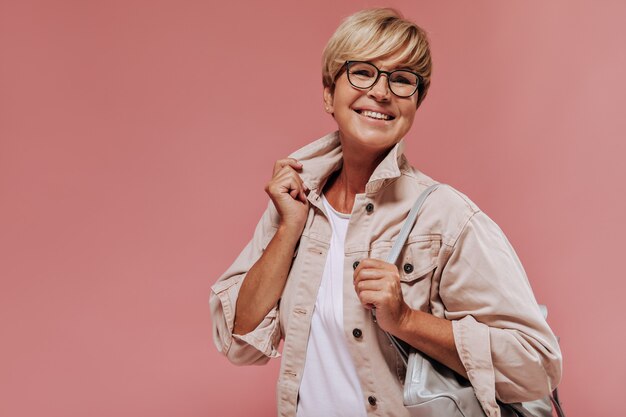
column 456, row 264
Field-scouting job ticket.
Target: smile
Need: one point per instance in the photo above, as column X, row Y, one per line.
column 374, row 115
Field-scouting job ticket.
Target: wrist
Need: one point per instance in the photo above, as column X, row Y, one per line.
column 289, row 231
column 407, row 321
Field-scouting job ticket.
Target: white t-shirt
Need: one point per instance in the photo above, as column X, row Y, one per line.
column 330, row 386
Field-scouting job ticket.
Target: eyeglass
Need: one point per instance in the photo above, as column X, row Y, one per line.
column 363, row 75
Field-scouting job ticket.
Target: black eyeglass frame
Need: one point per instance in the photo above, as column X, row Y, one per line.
column 347, row 64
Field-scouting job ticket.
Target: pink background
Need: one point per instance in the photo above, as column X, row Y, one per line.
column 136, row 138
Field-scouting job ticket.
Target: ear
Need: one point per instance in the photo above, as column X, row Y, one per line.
column 328, row 101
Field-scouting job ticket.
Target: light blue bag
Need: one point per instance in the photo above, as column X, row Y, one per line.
column 433, row 390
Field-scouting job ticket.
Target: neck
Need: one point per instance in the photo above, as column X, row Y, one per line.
column 358, row 166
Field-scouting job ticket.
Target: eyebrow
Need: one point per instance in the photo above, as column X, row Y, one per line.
column 395, row 68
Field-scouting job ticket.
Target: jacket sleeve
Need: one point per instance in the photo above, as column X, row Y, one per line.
column 502, row 338
column 261, row 344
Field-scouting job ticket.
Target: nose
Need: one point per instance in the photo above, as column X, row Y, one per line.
column 380, row 90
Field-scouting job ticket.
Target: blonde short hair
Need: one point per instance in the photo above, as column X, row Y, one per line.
column 378, row 33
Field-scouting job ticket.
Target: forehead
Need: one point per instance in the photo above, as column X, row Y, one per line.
column 389, row 65
column 390, row 62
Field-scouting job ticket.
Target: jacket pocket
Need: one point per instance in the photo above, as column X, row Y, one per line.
column 416, row 264
column 418, row 259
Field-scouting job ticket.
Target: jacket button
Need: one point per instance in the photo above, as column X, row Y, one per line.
column 355, row 264
column 408, row 268
column 369, row 207
column 357, row 333
column 371, row 399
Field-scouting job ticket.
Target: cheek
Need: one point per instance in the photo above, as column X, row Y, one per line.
column 411, row 117
column 409, row 114
column 345, row 95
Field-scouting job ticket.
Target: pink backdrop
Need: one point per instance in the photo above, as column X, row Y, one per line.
column 136, row 138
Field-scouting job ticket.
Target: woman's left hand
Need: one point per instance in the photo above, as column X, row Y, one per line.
column 377, row 284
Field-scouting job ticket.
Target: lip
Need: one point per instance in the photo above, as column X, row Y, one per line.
column 385, row 112
column 369, row 120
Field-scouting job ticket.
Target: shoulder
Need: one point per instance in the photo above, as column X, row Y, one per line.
column 446, row 208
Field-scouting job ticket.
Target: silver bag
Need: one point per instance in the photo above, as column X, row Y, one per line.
column 433, row 390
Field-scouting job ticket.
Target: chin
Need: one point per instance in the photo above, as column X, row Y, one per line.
column 373, row 140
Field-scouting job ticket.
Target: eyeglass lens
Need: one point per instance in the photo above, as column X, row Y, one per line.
column 364, row 75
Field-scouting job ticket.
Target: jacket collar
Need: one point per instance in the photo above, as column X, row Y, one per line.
column 323, row 156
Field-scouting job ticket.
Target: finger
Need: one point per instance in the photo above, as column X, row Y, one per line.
column 370, row 264
column 296, row 184
column 286, row 162
column 370, row 285
column 292, row 187
column 369, row 299
column 384, row 289
column 369, row 274
column 303, row 196
column 288, row 181
column 288, row 174
column 374, row 263
column 379, row 298
column 293, row 162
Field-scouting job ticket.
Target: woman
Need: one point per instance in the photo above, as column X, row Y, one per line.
column 313, row 270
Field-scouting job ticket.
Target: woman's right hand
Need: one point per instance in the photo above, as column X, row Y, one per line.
column 288, row 193
column 265, row 280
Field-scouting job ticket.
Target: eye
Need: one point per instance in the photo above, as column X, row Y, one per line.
column 363, row 72
column 404, row 79
column 401, row 80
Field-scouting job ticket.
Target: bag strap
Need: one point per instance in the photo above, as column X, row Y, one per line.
column 408, row 224
column 395, row 252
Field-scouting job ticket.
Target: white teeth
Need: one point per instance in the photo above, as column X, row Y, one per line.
column 375, row 115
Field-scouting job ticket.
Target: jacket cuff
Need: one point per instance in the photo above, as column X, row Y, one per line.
column 265, row 338
column 474, row 348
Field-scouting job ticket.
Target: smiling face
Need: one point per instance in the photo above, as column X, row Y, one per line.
column 374, row 119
